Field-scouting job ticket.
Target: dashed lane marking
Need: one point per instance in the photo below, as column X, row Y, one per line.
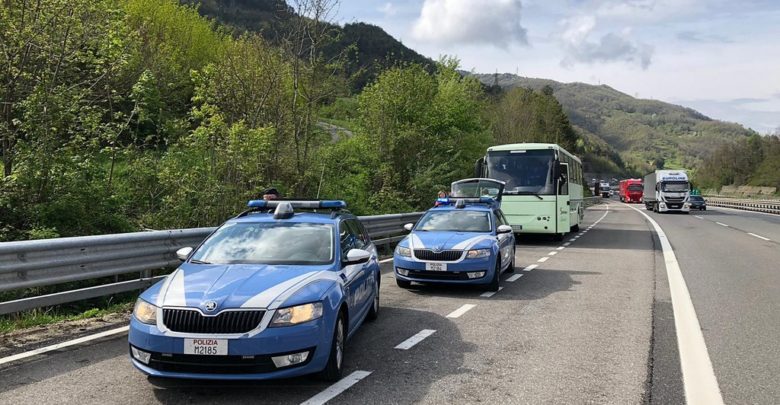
column 488, row 294
column 699, row 216
column 567, row 243
column 419, row 337
column 514, row 278
column 460, row 311
column 758, row 236
column 337, row 388
column 386, row 260
column 552, row 253
column 701, row 385
column 721, row 224
column 543, row 259
column 62, row 345
column 560, row 248
column 531, row 267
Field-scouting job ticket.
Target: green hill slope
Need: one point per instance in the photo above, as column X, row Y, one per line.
column 644, row 132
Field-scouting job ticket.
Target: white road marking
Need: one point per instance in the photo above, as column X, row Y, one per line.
column 419, row 337
column 460, row 311
column 488, row 294
column 560, row 248
column 758, row 236
column 581, row 233
column 514, row 278
column 552, row 253
column 572, row 240
column 337, row 388
column 567, row 244
column 544, row 259
column 531, row 267
column 721, row 224
column 698, row 216
column 62, row 345
column 386, row 260
column 701, row 385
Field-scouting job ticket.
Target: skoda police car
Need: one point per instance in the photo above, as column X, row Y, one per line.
column 460, row 241
column 272, row 293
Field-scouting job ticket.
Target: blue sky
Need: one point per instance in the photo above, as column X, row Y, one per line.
column 719, row 57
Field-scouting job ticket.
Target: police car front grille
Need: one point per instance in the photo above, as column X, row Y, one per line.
column 443, row 256
column 192, row 321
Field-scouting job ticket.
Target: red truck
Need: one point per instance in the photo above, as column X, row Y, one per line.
column 631, row 190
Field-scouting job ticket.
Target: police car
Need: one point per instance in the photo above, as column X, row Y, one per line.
column 460, row 241
column 272, row 293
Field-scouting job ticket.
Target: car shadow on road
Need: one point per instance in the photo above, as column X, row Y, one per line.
column 397, row 375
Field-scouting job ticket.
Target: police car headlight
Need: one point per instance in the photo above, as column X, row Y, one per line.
column 145, row 312
column 403, row 251
column 297, row 314
column 477, row 253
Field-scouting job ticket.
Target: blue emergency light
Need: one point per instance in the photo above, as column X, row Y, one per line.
column 307, row 204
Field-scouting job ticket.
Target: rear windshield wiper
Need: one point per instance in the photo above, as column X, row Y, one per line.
column 196, row 261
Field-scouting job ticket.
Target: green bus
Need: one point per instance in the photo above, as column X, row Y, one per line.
column 543, row 186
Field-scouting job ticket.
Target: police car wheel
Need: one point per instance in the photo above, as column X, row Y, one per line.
column 511, row 268
column 494, row 282
column 403, row 283
column 334, row 369
column 373, row 313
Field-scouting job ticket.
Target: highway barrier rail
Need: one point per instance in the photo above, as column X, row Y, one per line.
column 47, row 262
column 767, row 206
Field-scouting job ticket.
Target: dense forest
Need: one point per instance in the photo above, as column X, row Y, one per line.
column 121, row 115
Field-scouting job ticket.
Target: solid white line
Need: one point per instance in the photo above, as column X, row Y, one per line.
column 488, row 294
column 567, row 243
column 460, row 311
column 63, row 345
column 544, row 259
column 721, row 224
column 386, row 260
column 701, row 385
column 531, row 267
column 514, row 278
column 758, row 236
column 337, row 388
column 419, row 337
column 560, row 248
column 698, row 217
column 552, row 253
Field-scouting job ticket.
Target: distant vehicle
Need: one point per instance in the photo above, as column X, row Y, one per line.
column 667, row 191
column 605, row 189
column 630, row 190
column 698, row 203
column 266, row 295
column 544, row 186
column 467, row 241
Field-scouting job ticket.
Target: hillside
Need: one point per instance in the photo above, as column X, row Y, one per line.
column 644, row 132
column 373, row 49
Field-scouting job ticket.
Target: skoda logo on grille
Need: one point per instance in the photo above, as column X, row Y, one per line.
column 210, row 305
column 437, row 250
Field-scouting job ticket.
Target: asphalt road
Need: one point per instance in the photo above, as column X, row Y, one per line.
column 590, row 321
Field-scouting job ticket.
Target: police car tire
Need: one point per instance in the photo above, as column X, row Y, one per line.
column 403, row 283
column 373, row 312
column 495, row 281
column 511, row 268
column 333, row 370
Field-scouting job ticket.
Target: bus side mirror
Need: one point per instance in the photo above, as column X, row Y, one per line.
column 561, row 174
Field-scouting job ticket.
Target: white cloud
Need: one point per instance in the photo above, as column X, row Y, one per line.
column 495, row 22
column 388, row 9
column 610, row 47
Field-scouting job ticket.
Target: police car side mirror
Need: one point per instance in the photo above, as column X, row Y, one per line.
column 183, row 253
column 409, row 227
column 356, row 256
column 504, row 229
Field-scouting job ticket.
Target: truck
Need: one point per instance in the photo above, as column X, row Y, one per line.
column 667, row 191
column 631, row 190
column 604, row 189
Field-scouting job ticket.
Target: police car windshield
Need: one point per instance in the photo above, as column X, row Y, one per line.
column 455, row 221
column 268, row 243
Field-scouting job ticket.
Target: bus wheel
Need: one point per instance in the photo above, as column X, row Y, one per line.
column 558, row 237
column 575, row 228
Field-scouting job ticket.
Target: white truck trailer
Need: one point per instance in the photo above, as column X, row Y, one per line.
column 667, row 191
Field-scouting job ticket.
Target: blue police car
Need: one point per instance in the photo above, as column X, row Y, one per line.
column 272, row 293
column 461, row 241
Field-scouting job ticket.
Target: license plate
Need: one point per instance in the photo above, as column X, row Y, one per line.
column 206, row 347
column 435, row 266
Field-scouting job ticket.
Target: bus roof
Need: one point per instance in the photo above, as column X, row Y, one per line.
column 531, row 146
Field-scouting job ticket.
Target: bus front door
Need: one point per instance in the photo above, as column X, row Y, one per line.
column 563, row 202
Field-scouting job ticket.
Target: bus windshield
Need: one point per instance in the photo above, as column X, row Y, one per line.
column 524, row 171
column 675, row 186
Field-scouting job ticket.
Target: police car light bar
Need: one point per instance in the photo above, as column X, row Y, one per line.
column 461, row 202
column 306, row 204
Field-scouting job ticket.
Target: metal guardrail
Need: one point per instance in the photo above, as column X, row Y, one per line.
column 767, row 206
column 46, row 262
column 591, row 201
